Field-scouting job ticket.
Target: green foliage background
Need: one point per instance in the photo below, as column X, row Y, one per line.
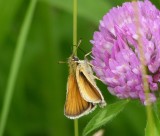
column 39, row 95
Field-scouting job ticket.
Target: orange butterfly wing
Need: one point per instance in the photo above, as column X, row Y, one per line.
column 75, row 105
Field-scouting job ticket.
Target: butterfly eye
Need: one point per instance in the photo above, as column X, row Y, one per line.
column 75, row 58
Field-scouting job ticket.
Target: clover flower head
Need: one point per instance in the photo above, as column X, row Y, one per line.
column 116, row 55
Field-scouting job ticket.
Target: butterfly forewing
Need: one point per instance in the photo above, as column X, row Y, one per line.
column 75, row 105
column 87, row 85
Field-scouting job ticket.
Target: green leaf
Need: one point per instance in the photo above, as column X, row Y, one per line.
column 104, row 116
column 92, row 10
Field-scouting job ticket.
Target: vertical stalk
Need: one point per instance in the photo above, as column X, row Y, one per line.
column 15, row 65
column 75, row 50
column 76, row 127
column 75, row 26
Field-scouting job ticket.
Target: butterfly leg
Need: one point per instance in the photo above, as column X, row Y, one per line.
column 98, row 78
column 93, row 65
column 88, row 54
column 94, row 75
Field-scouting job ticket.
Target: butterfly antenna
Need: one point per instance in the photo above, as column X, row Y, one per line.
column 62, row 62
column 77, row 46
column 79, row 42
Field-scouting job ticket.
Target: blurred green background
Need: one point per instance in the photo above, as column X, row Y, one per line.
column 39, row 94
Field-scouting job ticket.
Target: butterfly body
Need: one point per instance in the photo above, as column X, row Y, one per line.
column 82, row 91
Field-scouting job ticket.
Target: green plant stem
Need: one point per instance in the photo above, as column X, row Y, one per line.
column 76, row 127
column 75, row 27
column 75, row 50
column 16, row 64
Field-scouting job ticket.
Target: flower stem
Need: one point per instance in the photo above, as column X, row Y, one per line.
column 75, row 50
column 144, row 72
column 150, row 120
column 15, row 65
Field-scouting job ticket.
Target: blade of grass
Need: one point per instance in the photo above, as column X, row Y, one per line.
column 9, row 9
column 15, row 64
